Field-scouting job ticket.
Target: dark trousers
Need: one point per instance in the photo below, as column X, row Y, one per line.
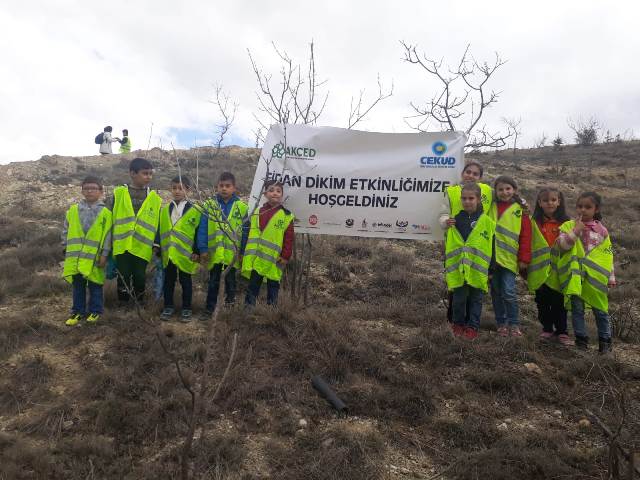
column 80, row 287
column 467, row 306
column 450, row 308
column 253, row 289
column 171, row 272
column 214, row 284
column 131, row 276
column 551, row 311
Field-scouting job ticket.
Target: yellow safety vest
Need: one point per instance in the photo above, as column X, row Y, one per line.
column 82, row 249
column 125, row 147
column 587, row 275
column 135, row 233
column 468, row 262
column 454, row 192
column 264, row 247
column 543, row 269
column 222, row 236
column 507, row 238
column 176, row 241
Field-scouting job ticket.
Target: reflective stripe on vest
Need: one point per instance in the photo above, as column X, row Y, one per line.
column 507, row 235
column 82, row 249
column 223, row 235
column 135, row 233
column 454, row 192
column 176, row 241
column 543, row 269
column 125, row 147
column 263, row 248
column 468, row 262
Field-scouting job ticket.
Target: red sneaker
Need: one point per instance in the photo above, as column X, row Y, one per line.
column 458, row 330
column 470, row 333
column 503, row 331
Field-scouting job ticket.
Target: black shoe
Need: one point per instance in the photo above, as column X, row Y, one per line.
column 582, row 342
column 604, row 345
column 205, row 316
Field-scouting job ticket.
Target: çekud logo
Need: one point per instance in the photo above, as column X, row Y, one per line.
column 438, row 160
column 439, row 148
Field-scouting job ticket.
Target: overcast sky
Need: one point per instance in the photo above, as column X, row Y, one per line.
column 70, row 67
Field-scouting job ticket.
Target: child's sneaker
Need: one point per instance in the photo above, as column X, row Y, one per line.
column 166, row 314
column 73, row 320
column 516, row 332
column 185, row 317
column 503, row 331
column 458, row 330
column 546, row 335
column 93, row 317
column 205, row 316
column 565, row 340
column 470, row 333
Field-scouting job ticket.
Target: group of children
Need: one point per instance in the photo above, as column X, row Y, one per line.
column 133, row 226
column 491, row 239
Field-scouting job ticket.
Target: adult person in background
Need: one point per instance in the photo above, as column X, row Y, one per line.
column 125, row 142
column 107, row 140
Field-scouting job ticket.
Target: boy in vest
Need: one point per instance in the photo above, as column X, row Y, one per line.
column 136, row 216
column 269, row 246
column 223, row 225
column 468, row 249
column 125, row 142
column 86, row 236
column 178, row 226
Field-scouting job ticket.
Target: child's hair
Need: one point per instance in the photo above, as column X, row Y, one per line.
column 510, row 181
column 92, row 179
column 186, row 181
column 271, row 183
column 597, row 199
column 138, row 164
column 475, row 163
column 125, row 131
column 227, row 177
column 561, row 212
column 475, row 188
column 108, row 128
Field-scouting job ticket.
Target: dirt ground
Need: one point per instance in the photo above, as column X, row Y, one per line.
column 104, row 401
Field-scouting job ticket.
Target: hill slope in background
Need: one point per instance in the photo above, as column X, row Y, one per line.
column 105, row 402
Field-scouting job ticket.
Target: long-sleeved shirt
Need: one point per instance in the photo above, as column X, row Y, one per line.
column 550, row 229
column 524, row 248
column 592, row 235
column 177, row 211
column 107, row 140
column 265, row 214
column 465, row 223
column 88, row 213
column 225, row 208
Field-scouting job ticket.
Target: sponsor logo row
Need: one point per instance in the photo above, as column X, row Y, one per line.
column 364, row 225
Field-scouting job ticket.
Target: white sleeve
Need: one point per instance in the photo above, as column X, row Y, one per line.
column 445, row 210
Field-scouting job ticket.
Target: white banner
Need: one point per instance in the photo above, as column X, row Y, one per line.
column 347, row 182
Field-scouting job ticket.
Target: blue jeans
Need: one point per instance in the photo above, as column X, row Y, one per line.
column 253, row 289
column 463, row 296
column 504, row 297
column 577, row 319
column 80, row 285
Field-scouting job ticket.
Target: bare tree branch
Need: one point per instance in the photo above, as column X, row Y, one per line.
column 227, row 112
column 358, row 111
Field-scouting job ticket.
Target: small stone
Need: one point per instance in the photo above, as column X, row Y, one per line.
column 584, row 423
column 327, row 443
column 507, row 421
column 67, row 425
column 533, row 368
column 503, row 427
column 557, row 413
column 302, row 423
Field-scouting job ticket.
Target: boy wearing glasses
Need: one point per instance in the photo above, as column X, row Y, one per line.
column 86, row 237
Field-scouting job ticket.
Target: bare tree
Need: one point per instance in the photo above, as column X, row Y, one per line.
column 541, row 141
column 587, row 132
column 461, row 100
column 513, row 124
column 227, row 111
column 359, row 109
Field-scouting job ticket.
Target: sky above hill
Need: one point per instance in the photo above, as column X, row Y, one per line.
column 71, row 67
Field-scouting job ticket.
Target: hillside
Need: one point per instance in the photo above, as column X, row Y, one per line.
column 105, row 402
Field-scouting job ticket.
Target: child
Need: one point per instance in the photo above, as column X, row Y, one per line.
column 452, row 205
column 586, row 269
column 542, row 274
column 512, row 253
column 136, row 215
column 125, row 142
column 269, row 246
column 178, row 226
column 87, row 239
column 107, row 140
column 226, row 213
column 468, row 250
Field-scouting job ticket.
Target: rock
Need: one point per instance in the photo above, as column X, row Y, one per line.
column 503, row 427
column 302, row 423
column 557, row 413
column 533, row 368
column 327, row 443
column 67, row 425
column 584, row 423
column 507, row 421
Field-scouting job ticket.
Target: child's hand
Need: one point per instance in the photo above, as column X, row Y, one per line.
column 204, row 258
column 283, row 261
column 612, row 284
column 451, row 222
column 579, row 226
column 102, row 261
column 195, row 257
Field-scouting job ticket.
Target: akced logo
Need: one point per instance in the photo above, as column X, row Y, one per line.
column 301, row 153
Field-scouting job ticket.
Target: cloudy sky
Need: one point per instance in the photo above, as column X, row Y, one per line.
column 70, row 67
